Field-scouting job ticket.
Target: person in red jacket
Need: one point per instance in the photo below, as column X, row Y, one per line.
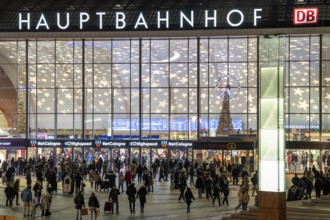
column 128, row 178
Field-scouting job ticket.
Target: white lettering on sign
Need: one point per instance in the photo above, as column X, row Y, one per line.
column 78, row 144
column 114, row 144
column 239, row 13
column 143, row 144
column 185, row 19
column 48, row 143
column 214, row 18
column 120, row 20
column 84, row 17
column 141, row 21
column 100, row 14
column 59, row 21
column 159, row 19
column 180, row 144
column 256, row 16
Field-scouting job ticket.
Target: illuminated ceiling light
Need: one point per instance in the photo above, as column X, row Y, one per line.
column 117, row 6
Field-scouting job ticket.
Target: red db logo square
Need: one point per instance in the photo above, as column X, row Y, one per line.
column 303, row 16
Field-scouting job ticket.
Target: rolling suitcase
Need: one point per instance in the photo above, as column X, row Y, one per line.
column 107, row 206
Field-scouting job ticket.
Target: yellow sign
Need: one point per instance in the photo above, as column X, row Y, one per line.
column 231, row 146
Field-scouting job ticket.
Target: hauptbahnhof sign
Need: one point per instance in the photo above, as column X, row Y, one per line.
column 254, row 15
column 185, row 20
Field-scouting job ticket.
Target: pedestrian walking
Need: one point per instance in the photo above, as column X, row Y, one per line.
column 254, row 181
column 216, row 194
column 16, row 189
column 131, row 192
column 141, row 195
column 200, row 186
column 225, row 191
column 26, row 196
column 191, row 174
column 189, row 197
column 79, row 202
column 182, row 185
column 240, row 197
column 245, row 199
column 35, row 203
column 113, row 197
column 94, row 205
column 10, row 194
column 45, row 203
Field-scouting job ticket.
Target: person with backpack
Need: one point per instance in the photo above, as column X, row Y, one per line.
column 189, row 197
column 131, row 192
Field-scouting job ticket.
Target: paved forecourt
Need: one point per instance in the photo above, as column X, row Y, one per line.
column 161, row 204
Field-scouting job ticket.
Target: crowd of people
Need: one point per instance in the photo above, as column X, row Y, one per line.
column 211, row 179
column 312, row 179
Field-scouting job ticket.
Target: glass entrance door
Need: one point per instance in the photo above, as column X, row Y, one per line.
column 64, row 153
column 145, row 159
column 120, row 156
column 78, row 154
column 135, row 155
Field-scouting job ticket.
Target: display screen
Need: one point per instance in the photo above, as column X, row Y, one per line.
column 174, row 124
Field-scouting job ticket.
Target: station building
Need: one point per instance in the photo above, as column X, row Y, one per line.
column 137, row 80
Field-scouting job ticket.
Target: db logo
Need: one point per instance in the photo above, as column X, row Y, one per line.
column 303, row 16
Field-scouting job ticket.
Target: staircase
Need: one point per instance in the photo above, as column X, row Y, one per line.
column 315, row 209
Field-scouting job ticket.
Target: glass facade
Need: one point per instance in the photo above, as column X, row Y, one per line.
column 140, row 88
column 154, row 88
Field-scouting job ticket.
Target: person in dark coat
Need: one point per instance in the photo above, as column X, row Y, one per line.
column 141, row 194
column 139, row 172
column 78, row 182
column 216, row 194
column 182, row 185
column 235, row 174
column 10, row 194
column 79, row 202
column 200, row 186
column 37, row 187
column 131, row 192
column 99, row 165
column 318, row 187
column 113, row 196
column 28, row 178
column 189, row 197
column 93, row 204
column 112, row 178
column 208, row 188
column 53, row 182
column 72, row 184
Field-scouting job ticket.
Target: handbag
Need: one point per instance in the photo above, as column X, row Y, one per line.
column 97, row 212
column 84, row 211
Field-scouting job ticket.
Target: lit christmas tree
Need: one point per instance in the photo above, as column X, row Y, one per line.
column 225, row 126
